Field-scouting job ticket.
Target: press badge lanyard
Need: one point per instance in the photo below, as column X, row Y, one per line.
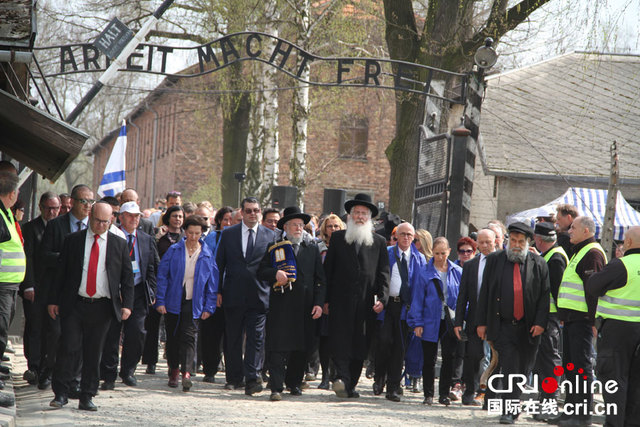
column 134, row 264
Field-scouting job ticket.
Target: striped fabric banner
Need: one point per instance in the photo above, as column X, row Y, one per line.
column 113, row 180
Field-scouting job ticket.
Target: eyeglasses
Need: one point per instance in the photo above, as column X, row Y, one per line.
column 85, row 201
column 394, row 239
column 405, row 234
column 102, row 221
column 250, row 211
column 55, row 208
column 465, row 251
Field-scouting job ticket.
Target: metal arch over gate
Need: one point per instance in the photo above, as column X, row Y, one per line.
column 277, row 52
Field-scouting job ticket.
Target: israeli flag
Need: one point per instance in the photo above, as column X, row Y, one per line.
column 113, row 180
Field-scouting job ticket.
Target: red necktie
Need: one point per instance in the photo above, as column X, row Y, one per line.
column 93, row 267
column 518, row 305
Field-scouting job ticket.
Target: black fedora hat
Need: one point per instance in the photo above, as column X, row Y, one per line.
column 362, row 199
column 292, row 212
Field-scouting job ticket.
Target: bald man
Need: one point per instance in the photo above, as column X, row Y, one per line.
column 617, row 288
column 405, row 262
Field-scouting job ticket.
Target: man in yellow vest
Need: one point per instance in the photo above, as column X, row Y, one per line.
column 618, row 289
column 548, row 356
column 12, row 259
column 577, row 311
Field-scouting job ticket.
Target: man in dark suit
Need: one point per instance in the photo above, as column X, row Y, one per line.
column 357, row 269
column 245, row 298
column 54, row 233
column 293, row 307
column 89, row 294
column 35, row 309
column 144, row 262
column 513, row 307
column 470, row 282
column 130, row 195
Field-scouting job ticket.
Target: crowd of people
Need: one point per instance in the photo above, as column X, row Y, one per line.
column 276, row 299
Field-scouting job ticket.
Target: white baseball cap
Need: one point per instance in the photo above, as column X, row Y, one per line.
column 131, row 207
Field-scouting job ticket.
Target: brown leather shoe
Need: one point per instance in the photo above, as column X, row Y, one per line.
column 174, row 376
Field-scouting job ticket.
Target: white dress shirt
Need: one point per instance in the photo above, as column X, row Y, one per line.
column 481, row 263
column 245, row 236
column 396, row 280
column 102, row 281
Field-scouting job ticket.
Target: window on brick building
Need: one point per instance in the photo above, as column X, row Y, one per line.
column 353, row 138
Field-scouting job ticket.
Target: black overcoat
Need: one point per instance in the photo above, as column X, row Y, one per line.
column 352, row 281
column 535, row 288
column 290, row 326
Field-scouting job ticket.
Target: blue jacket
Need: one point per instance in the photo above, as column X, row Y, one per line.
column 426, row 307
column 417, row 262
column 212, row 240
column 171, row 276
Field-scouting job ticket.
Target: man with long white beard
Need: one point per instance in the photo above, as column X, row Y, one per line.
column 513, row 308
column 357, row 270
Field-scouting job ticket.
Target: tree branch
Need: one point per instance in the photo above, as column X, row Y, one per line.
column 501, row 23
column 178, row 36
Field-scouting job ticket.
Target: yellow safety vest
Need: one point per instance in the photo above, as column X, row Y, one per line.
column 547, row 257
column 623, row 303
column 571, row 292
column 12, row 260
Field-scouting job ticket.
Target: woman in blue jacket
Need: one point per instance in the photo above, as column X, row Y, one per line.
column 426, row 316
column 187, row 291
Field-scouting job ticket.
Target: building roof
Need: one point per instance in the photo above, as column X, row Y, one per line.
column 559, row 118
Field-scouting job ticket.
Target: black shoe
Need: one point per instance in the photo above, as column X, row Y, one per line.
column 86, row 404
column 354, row 394
column 574, row 421
column 507, row 419
column 264, row 377
column 378, row 386
column 324, row 384
column 252, row 388
column 393, row 396
column 4, row 369
column 209, row 379
column 74, row 391
column 1, row 384
column 30, row 376
column 7, row 400
column 428, row 401
column 5, row 358
column 369, row 373
column 59, row 401
column 339, row 389
column 44, row 382
column 296, row 391
column 107, row 385
column 130, row 380
column 470, row 401
column 444, row 400
column 151, row 369
column 229, row 386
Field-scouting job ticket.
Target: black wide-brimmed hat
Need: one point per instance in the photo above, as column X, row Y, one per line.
column 522, row 228
column 292, row 212
column 362, row 199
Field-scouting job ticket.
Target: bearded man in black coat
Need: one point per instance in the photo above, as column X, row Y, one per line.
column 357, row 270
column 293, row 307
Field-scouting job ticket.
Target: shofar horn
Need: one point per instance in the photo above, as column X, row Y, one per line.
column 484, row 378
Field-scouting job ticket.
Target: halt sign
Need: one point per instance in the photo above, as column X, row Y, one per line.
column 113, row 38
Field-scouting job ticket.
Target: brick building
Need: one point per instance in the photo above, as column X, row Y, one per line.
column 348, row 132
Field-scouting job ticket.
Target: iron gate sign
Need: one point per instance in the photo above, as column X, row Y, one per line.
column 280, row 53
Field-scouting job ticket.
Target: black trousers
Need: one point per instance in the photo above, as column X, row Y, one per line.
column 181, row 338
column 577, row 348
column 348, row 370
column 210, row 338
column 473, row 354
column 83, row 335
column 52, row 329
column 448, row 344
column 241, row 322
column 132, row 332
column 548, row 356
column 619, row 360
column 8, row 294
column 33, row 337
column 150, row 350
column 294, row 361
column 390, row 347
column 516, row 353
